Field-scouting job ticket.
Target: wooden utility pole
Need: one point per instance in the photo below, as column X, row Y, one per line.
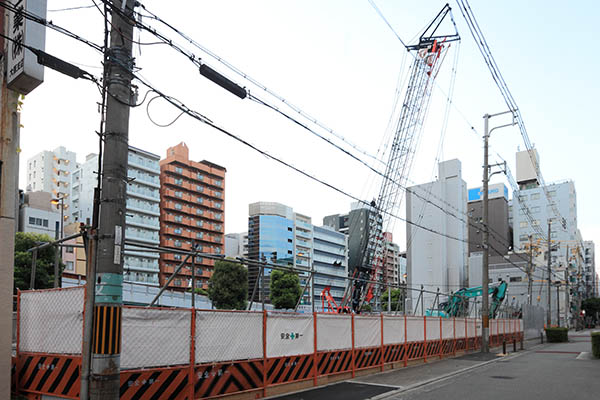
column 108, row 299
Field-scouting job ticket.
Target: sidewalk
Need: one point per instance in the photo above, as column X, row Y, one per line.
column 566, row 365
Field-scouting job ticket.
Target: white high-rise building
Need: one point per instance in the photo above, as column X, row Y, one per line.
column 436, row 260
column 50, row 171
column 142, row 218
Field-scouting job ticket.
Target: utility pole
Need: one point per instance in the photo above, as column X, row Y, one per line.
column 485, row 321
column 108, row 297
column 558, row 303
column 59, row 232
column 567, row 301
column 548, row 312
column 530, row 271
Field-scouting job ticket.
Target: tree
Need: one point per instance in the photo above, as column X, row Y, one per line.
column 397, row 296
column 591, row 307
column 285, row 289
column 228, row 286
column 199, row 291
column 44, row 272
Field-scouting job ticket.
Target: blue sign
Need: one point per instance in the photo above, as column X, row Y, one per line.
column 477, row 193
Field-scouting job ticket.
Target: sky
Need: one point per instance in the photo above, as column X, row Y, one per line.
column 339, row 62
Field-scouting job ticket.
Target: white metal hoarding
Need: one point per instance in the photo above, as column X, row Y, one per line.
column 23, row 73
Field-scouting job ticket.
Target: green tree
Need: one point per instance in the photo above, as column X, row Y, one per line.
column 228, row 286
column 285, row 289
column 591, row 307
column 44, row 272
column 199, row 291
column 397, row 296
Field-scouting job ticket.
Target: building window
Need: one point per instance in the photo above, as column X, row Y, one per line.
column 218, row 250
column 178, row 206
column 217, row 205
column 523, row 238
column 179, row 182
column 69, row 249
column 199, row 235
column 218, row 194
column 535, row 209
column 218, row 182
column 177, row 256
column 515, row 279
column 200, row 200
column 200, row 211
column 69, row 266
column 31, row 221
column 218, row 216
column 177, row 243
column 535, row 222
column 199, row 223
column 179, row 170
column 179, row 194
column 177, row 231
column 199, row 176
column 199, row 188
column 178, row 218
column 523, row 224
column 535, row 196
column 522, row 197
column 199, row 260
column 552, row 193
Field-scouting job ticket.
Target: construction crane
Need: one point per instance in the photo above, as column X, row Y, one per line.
column 458, row 303
column 428, row 54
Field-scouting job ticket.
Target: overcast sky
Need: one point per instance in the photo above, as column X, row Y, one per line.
column 340, row 63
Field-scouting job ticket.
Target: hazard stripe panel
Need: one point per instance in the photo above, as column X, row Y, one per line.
column 289, row 369
column 365, row 358
column 433, row 348
column 107, row 330
column 448, row 346
column 332, row 362
column 155, row 384
column 415, row 350
column 393, row 353
column 461, row 344
column 219, row 379
column 55, row 375
column 13, row 375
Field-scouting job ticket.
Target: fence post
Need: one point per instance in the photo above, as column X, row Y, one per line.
column 466, row 334
column 264, row 340
column 315, row 372
column 476, row 341
column 454, row 336
column 353, row 360
column 405, row 342
column 192, row 372
column 425, row 337
column 441, row 339
column 382, row 358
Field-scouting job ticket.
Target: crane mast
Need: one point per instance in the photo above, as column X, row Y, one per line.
column 428, row 58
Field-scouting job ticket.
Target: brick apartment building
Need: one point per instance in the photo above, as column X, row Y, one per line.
column 192, row 209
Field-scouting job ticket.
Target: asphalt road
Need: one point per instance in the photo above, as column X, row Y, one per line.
column 554, row 371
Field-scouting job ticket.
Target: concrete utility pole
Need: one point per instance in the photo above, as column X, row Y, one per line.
column 9, row 174
column 567, row 301
column 530, row 271
column 548, row 312
column 59, row 202
column 108, row 298
column 485, row 322
column 558, row 303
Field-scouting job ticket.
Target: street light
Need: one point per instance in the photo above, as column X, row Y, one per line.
column 58, row 201
column 485, row 322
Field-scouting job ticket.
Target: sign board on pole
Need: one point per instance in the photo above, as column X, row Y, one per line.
column 23, row 73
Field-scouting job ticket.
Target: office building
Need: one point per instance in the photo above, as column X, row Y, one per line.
column 437, row 255
column 276, row 234
column 192, row 212
column 83, row 181
column 391, row 257
column 50, row 171
column 590, row 269
column 236, row 245
column 500, row 234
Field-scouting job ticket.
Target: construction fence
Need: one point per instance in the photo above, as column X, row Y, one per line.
column 192, row 353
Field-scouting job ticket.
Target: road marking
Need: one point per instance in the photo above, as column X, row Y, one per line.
column 378, row 384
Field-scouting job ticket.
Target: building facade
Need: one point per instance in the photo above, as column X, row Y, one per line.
column 83, row 181
column 276, row 234
column 192, row 212
column 391, row 257
column 500, row 234
column 38, row 215
column 236, row 245
column 50, row 171
column 436, row 260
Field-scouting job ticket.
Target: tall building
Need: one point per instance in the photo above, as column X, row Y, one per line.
column 590, row 269
column 391, row 257
column 142, row 219
column 500, row 237
column 330, row 258
column 236, row 245
column 192, row 210
column 276, row 234
column 357, row 225
column 38, row 215
column 142, row 212
column 83, row 181
column 50, row 171
column 436, row 256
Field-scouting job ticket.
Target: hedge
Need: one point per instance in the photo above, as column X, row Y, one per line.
column 555, row 335
column 596, row 344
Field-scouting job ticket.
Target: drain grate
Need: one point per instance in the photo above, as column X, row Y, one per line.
column 502, row 377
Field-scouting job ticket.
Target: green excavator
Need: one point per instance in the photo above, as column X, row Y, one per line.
column 458, row 303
